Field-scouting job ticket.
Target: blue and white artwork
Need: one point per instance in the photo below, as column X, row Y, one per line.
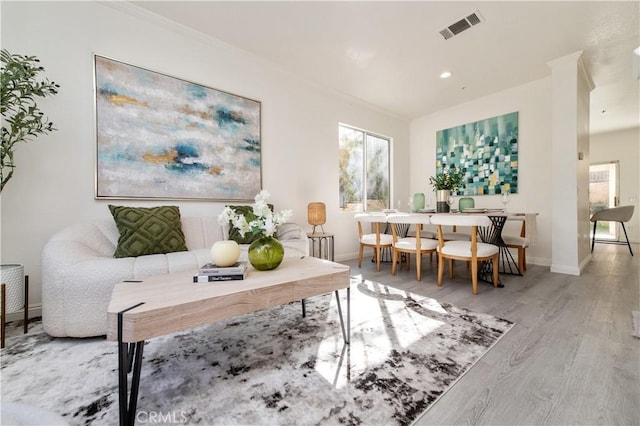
column 161, row 137
column 487, row 153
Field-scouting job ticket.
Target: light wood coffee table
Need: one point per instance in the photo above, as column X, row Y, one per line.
column 165, row 304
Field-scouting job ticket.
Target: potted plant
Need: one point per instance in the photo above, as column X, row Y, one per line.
column 443, row 184
column 266, row 252
column 22, row 119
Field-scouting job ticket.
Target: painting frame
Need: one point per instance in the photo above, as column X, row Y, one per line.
column 487, row 152
column 160, row 137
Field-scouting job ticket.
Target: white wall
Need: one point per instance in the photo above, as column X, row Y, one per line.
column 622, row 146
column 532, row 101
column 54, row 181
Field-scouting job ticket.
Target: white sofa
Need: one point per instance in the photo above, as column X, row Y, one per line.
column 79, row 270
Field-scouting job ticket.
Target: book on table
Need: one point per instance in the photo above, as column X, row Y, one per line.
column 239, row 268
column 216, row 278
column 212, row 273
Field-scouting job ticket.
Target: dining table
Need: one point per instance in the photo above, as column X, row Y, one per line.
column 488, row 234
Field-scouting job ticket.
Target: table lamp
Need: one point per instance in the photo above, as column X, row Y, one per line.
column 316, row 215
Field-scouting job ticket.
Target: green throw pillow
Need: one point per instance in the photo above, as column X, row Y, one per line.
column 154, row 230
column 234, row 233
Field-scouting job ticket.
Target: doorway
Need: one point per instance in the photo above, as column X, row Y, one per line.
column 603, row 194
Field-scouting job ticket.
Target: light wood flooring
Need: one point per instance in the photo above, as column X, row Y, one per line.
column 569, row 360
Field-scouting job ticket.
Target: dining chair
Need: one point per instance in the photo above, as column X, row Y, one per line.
column 620, row 214
column 376, row 239
column 520, row 242
column 409, row 245
column 472, row 251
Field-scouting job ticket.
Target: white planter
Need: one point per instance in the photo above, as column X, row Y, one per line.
column 13, row 276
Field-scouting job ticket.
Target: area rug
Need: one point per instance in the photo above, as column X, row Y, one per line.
column 270, row 367
column 635, row 318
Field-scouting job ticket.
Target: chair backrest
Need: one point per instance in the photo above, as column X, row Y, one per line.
column 471, row 220
column 410, row 218
column 406, row 219
column 370, row 217
column 374, row 218
column 614, row 214
column 460, row 219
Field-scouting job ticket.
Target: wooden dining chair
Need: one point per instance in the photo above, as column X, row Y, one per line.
column 376, row 239
column 520, row 243
column 472, row 251
column 416, row 245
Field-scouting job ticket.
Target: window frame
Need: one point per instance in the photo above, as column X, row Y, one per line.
column 364, row 204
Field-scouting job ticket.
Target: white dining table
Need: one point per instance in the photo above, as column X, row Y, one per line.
column 491, row 235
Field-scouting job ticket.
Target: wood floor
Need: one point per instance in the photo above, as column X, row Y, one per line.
column 569, row 360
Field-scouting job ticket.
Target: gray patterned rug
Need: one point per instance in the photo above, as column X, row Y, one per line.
column 270, row 367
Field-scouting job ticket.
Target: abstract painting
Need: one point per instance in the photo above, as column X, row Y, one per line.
column 486, row 151
column 160, row 137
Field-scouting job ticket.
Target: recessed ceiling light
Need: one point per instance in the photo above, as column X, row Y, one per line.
column 445, row 74
column 637, row 50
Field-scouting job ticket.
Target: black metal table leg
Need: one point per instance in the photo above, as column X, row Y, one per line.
column 129, row 358
column 493, row 235
column 346, row 332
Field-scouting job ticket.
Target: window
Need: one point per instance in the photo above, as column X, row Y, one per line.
column 364, row 170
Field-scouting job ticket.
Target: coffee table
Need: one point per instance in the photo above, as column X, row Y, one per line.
column 164, row 304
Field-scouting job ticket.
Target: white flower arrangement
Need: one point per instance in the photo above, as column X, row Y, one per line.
column 266, row 222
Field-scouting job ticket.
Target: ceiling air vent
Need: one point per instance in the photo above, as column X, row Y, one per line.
column 461, row 25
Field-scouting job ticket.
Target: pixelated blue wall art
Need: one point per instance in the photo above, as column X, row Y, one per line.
column 486, row 151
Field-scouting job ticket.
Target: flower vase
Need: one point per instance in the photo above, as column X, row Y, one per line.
column 418, row 201
column 266, row 253
column 442, row 200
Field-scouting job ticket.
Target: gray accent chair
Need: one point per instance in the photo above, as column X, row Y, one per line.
column 620, row 214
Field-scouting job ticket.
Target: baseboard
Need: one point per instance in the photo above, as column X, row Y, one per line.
column 347, row 256
column 567, row 270
column 539, row 261
column 35, row 310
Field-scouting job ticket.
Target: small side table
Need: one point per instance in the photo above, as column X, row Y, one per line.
column 321, row 245
column 3, row 309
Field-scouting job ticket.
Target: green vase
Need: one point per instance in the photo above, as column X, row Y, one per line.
column 266, row 253
column 418, row 201
column 465, row 203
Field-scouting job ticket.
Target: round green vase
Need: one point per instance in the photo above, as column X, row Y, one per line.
column 266, row 253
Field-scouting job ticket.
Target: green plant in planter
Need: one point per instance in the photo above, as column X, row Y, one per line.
column 450, row 180
column 22, row 120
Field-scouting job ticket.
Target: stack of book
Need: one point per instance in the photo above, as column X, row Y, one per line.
column 211, row 272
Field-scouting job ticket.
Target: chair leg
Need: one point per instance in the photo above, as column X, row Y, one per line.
column 522, row 264
column 496, row 265
column 474, row 277
column 360, row 254
column 451, row 268
column 593, row 241
column 394, row 259
column 440, row 270
column 418, row 266
column 625, row 235
column 377, row 250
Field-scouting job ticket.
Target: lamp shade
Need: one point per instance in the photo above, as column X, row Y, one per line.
column 316, row 214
